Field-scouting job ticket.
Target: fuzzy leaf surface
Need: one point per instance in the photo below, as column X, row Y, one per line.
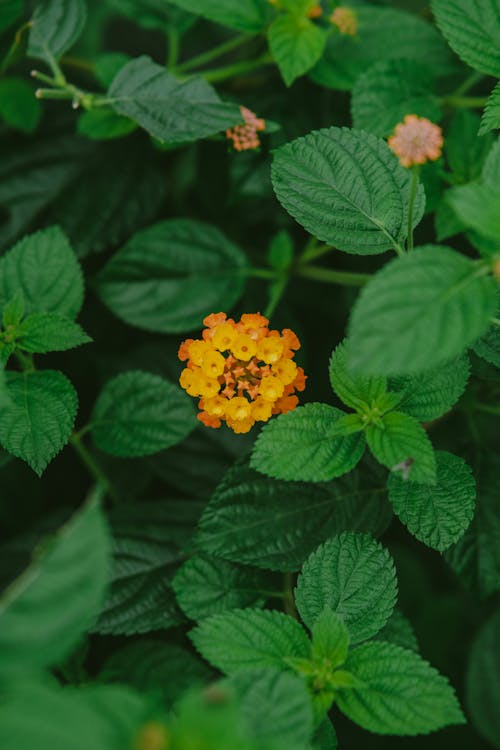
column 296, row 45
column 353, row 389
column 51, row 332
column 400, row 439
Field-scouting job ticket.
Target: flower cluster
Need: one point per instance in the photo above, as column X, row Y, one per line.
column 345, row 20
column 416, row 140
column 245, row 136
column 243, row 372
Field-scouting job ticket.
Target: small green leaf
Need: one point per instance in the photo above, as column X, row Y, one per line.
column 330, row 638
column 250, row 639
column 478, row 207
column 346, row 188
column 402, row 694
column 483, row 679
column 488, row 346
column 138, row 413
column 44, row 266
column 19, row 107
column 50, row 332
column 354, row 390
column 55, row 27
column 296, row 43
column 44, row 613
column 170, row 275
column 438, row 514
column 13, row 312
column 37, row 422
column 354, row 576
column 280, row 253
column 420, row 311
column 401, row 444
column 103, row 124
column 304, row 445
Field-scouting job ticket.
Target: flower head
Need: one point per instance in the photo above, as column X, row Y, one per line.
column 243, row 372
column 416, row 140
column 245, row 136
column 346, row 20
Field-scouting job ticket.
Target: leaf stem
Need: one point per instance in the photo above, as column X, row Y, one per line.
column 222, row 49
column 487, row 408
column 92, row 466
column 411, row 204
column 332, row 276
column 229, row 71
column 25, row 360
column 465, row 102
column 312, row 251
column 289, row 603
column 276, row 291
column 173, row 40
column 469, row 82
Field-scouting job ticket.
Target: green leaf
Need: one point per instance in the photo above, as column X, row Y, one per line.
column 472, row 28
column 465, row 152
column 205, row 586
column 138, row 413
column 354, row 576
column 483, row 681
column 398, row 630
column 488, row 346
column 147, row 549
column 171, row 110
column 55, row 27
column 280, row 254
column 49, row 717
column 50, row 332
column 170, row 275
column 104, row 124
column 354, row 390
column 18, row 106
column 383, row 34
column 37, row 422
column 330, row 638
column 296, row 44
column 325, row 737
column 431, row 394
column 478, row 207
column 346, row 188
column 11, row 10
column 437, row 515
column 402, row 693
column 420, row 311
column 44, row 613
column 388, row 91
column 250, row 639
column 247, row 521
column 247, row 15
column 491, row 168
column 44, row 266
column 304, row 445
column 401, row 444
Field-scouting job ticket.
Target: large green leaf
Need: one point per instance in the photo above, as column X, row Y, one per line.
column 437, row 514
column 296, row 44
column 353, row 389
column 420, row 311
column 138, row 413
column 401, row 693
column 55, row 27
column 44, row 613
column 401, row 444
column 247, row 15
column 472, row 27
column 50, row 332
column 37, row 422
column 483, row 681
column 170, row 275
column 306, row 445
column 353, row 575
column 44, row 266
column 250, row 639
column 346, row 188
column 276, row 525
column 171, row 110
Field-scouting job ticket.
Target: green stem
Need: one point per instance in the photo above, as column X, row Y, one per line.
column 487, row 408
column 276, row 291
column 289, row 604
column 411, row 204
column 331, row 276
column 259, row 273
column 469, row 82
column 14, row 47
column 465, row 102
column 92, row 466
column 222, row 49
column 44, row 78
column 54, row 94
column 313, row 251
column 173, row 40
column 229, row 71
column 25, row 360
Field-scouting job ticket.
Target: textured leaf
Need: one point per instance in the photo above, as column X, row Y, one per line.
column 420, row 311
column 491, row 168
column 465, row 152
column 438, row 514
column 147, row 551
column 169, row 276
column 354, row 390
column 305, row 445
column 104, row 124
column 247, row 15
column 472, row 28
column 401, row 444
column 138, row 413
column 37, row 422
column 44, row 613
column 488, row 346
column 55, row 27
column 325, row 737
column 296, row 45
column 346, row 188
column 354, row 576
column 330, row 638
column 44, row 266
column 430, row 394
column 402, row 693
column 483, row 681
column 248, row 520
column 388, row 91
column 383, row 34
column 50, row 332
column 478, row 207
column 171, row 110
column 398, row 630
column 18, row 106
column 250, row 639
column 205, row 586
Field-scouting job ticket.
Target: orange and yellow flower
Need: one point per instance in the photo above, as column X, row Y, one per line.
column 243, row 372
